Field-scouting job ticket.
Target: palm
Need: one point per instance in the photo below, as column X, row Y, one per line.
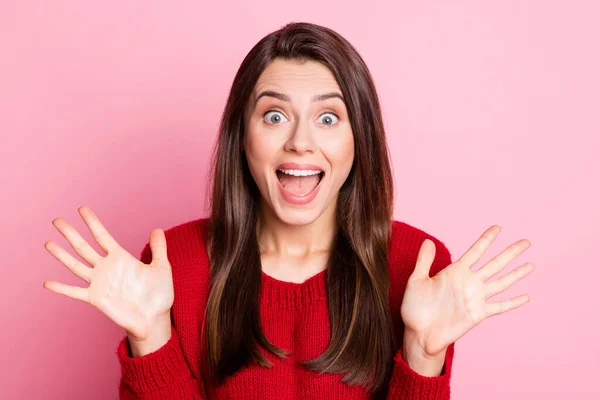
column 447, row 305
column 132, row 294
column 441, row 309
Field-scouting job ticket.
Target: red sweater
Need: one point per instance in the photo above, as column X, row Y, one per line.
column 294, row 317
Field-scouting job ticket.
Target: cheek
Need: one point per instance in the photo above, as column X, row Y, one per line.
column 339, row 150
column 261, row 149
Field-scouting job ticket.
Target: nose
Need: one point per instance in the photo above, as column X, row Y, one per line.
column 301, row 139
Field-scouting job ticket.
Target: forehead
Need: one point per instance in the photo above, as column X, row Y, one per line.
column 296, row 78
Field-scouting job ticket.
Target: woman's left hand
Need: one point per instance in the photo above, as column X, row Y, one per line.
column 437, row 311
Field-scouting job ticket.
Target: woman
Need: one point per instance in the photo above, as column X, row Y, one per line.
column 300, row 284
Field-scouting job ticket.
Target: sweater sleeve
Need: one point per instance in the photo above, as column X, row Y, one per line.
column 406, row 383
column 163, row 374
column 410, row 385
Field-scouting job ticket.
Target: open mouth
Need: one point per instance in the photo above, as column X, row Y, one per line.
column 299, row 182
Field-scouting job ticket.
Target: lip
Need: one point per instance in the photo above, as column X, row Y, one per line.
column 299, row 200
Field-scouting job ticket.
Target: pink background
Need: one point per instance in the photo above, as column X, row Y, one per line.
column 491, row 110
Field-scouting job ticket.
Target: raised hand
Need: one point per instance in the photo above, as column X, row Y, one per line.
column 437, row 311
column 136, row 296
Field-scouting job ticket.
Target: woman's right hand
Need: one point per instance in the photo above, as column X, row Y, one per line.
column 136, row 296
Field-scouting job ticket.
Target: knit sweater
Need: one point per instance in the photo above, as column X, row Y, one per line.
column 294, row 316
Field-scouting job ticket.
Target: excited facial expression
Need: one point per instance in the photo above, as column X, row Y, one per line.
column 298, row 139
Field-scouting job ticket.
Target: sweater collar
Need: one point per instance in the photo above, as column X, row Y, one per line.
column 291, row 295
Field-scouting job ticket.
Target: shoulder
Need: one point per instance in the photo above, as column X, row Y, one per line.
column 405, row 243
column 187, row 240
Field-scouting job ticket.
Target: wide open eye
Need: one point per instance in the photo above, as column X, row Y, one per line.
column 329, row 119
column 274, row 117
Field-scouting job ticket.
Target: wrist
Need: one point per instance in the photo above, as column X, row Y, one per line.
column 159, row 335
column 417, row 358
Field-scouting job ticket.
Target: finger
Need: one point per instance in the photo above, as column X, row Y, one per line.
column 424, row 260
column 506, row 305
column 73, row 292
column 158, row 245
column 476, row 251
column 78, row 243
column 503, row 283
column 499, row 262
column 100, row 233
column 73, row 265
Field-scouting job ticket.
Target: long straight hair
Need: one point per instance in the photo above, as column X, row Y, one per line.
column 362, row 341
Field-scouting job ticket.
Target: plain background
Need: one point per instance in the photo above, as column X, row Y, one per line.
column 491, row 110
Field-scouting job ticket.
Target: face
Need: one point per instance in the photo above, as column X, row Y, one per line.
column 298, row 140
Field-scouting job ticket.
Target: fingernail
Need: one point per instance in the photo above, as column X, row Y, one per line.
column 530, row 267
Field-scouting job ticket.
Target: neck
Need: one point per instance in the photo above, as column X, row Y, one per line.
column 278, row 237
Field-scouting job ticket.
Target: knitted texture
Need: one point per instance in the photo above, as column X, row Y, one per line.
column 294, row 316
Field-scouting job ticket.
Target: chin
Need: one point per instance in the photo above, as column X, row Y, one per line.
column 291, row 214
column 298, row 217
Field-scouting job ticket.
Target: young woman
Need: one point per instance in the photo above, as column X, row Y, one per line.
column 299, row 285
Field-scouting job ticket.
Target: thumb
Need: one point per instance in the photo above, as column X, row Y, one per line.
column 158, row 245
column 424, row 260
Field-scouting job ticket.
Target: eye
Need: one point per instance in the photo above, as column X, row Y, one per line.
column 274, row 117
column 329, row 118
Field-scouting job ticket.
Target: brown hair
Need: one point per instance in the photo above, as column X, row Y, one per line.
column 362, row 341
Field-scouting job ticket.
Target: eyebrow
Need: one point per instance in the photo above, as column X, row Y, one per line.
column 283, row 97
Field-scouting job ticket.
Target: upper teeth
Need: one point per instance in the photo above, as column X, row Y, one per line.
column 300, row 172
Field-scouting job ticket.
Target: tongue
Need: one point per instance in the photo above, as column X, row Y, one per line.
column 298, row 185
